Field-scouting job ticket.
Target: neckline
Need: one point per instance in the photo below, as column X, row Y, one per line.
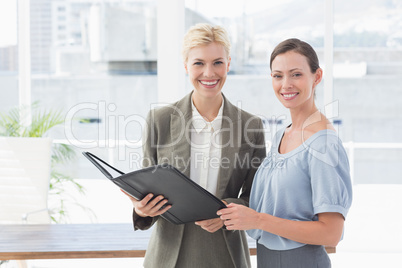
column 304, row 145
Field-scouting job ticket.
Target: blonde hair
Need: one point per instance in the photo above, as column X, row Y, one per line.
column 204, row 34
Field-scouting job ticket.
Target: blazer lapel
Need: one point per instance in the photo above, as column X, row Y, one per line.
column 180, row 133
column 231, row 141
column 181, row 139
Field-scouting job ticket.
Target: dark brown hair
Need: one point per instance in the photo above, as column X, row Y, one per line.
column 298, row 46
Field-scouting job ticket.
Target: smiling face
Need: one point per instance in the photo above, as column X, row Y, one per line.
column 293, row 81
column 207, row 67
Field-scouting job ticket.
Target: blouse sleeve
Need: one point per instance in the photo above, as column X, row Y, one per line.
column 330, row 176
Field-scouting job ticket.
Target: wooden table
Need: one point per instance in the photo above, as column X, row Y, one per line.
column 67, row 241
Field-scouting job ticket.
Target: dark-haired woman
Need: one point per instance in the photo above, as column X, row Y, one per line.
column 302, row 191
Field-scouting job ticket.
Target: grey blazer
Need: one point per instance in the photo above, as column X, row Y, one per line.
column 167, row 141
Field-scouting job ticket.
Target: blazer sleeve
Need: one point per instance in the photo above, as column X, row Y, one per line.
column 258, row 153
column 149, row 159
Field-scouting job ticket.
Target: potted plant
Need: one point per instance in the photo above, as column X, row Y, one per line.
column 20, row 141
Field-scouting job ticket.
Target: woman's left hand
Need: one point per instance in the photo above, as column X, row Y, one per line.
column 211, row 225
column 239, row 217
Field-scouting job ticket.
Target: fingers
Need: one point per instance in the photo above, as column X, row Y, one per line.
column 213, row 228
column 161, row 211
column 151, row 207
column 231, row 224
column 204, row 223
column 130, row 196
column 230, row 216
column 224, row 213
column 211, row 225
column 143, row 202
column 155, row 205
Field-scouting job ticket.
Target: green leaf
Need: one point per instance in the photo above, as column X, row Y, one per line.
column 42, row 121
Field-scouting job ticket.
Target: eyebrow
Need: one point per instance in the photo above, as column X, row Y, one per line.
column 291, row 70
column 204, row 60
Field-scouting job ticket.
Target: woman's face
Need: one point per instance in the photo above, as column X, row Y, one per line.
column 293, row 81
column 207, row 67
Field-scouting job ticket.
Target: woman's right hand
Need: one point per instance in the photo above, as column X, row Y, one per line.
column 148, row 207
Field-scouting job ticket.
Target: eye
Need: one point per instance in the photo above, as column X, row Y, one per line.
column 218, row 62
column 297, row 74
column 276, row 76
column 198, row 63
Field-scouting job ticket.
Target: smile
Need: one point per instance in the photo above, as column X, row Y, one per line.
column 209, row 83
column 289, row 96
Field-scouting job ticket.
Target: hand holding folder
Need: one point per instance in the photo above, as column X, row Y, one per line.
column 190, row 202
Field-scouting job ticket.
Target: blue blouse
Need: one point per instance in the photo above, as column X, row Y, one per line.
column 311, row 179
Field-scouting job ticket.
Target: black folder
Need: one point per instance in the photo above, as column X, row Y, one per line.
column 190, row 202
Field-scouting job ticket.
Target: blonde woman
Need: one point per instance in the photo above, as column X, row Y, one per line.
column 216, row 144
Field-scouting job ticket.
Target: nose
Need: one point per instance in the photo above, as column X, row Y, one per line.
column 209, row 71
column 287, row 83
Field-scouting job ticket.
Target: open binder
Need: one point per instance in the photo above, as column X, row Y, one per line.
column 190, row 202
